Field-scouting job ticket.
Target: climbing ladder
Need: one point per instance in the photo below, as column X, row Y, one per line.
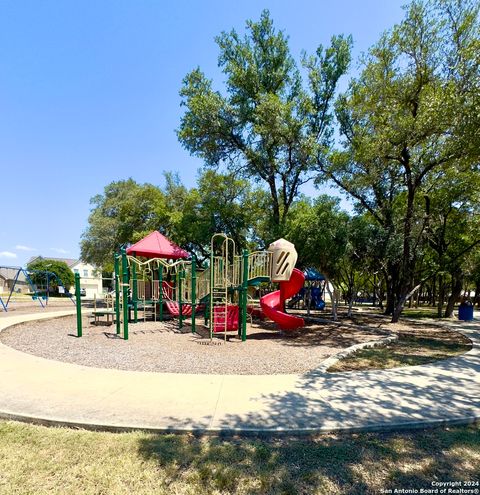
column 227, row 271
column 222, row 275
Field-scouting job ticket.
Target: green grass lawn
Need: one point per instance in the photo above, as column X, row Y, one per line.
column 16, row 295
column 408, row 350
column 420, row 312
column 38, row 460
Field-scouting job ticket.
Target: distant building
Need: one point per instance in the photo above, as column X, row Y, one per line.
column 90, row 276
column 7, row 279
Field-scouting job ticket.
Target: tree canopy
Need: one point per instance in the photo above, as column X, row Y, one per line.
column 127, row 211
column 267, row 125
column 410, row 117
column 60, row 269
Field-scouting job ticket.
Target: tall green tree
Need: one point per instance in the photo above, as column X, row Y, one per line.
column 412, row 113
column 43, row 267
column 266, row 125
column 452, row 206
column 219, row 203
column 358, row 259
column 319, row 230
column 125, row 212
column 474, row 275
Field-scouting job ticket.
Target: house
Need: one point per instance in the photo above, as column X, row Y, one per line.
column 90, row 276
column 7, row 280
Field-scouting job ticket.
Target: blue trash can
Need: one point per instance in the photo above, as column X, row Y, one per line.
column 465, row 311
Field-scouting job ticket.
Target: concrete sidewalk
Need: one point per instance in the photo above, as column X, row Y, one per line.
column 42, row 390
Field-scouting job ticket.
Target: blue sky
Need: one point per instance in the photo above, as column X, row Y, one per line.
column 89, row 94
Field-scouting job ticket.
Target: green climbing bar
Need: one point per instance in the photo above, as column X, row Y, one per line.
column 194, row 291
column 79, row 305
column 125, row 293
column 243, row 296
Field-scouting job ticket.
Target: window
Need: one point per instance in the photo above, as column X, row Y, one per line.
column 85, row 273
column 75, row 270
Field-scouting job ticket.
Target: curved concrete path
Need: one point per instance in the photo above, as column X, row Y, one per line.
column 37, row 389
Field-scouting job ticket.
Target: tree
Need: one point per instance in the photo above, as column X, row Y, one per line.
column 411, row 114
column 318, row 228
column 452, row 226
column 219, row 203
column 267, row 127
column 474, row 275
column 359, row 257
column 125, row 212
column 40, row 267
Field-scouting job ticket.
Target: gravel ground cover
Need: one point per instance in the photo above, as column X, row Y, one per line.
column 161, row 347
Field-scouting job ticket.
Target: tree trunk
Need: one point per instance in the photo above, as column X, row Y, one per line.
column 441, row 295
column 380, row 295
column 275, row 204
column 398, row 309
column 333, row 298
column 401, row 303
column 477, row 293
column 433, row 291
column 350, row 304
column 419, row 296
column 407, row 271
column 391, row 283
column 457, row 285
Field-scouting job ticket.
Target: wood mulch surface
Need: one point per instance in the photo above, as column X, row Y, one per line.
column 162, row 347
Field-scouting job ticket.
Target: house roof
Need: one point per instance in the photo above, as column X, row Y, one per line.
column 69, row 261
column 11, row 272
column 156, row 245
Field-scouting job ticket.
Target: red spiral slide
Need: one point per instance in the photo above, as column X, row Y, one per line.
column 273, row 304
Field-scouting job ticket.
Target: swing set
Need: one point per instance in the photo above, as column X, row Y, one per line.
column 39, row 292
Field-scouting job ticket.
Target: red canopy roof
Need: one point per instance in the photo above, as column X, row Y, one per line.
column 156, row 245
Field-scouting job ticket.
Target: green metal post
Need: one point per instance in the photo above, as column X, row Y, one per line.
column 160, row 291
column 48, row 289
column 135, row 292
column 210, row 299
column 194, row 290
column 125, row 293
column 117, row 293
column 243, row 298
column 79, row 305
column 179, row 288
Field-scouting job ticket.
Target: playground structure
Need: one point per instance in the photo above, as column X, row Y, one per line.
column 312, row 293
column 38, row 293
column 154, row 275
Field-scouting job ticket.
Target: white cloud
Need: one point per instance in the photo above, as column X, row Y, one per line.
column 20, row 247
column 7, row 254
column 59, row 250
